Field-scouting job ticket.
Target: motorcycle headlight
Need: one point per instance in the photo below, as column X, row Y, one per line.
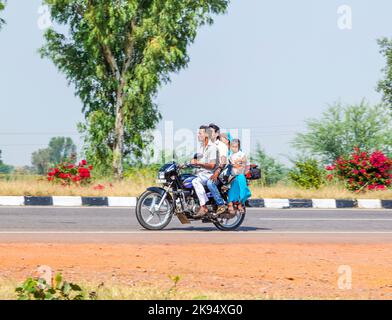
column 161, row 175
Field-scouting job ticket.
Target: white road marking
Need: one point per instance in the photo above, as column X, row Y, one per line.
column 248, row 209
column 192, row 232
column 323, row 219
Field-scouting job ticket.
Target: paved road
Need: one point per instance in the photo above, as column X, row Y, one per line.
column 104, row 224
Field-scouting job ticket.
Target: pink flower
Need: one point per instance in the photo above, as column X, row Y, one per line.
column 377, row 159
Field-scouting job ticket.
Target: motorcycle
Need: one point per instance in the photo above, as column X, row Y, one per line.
column 157, row 205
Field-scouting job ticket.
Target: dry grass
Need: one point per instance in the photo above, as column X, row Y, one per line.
column 137, row 184
column 37, row 186
column 122, row 292
column 7, row 290
column 138, row 292
column 141, row 292
column 334, row 191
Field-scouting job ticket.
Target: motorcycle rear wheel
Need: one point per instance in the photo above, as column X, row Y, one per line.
column 230, row 224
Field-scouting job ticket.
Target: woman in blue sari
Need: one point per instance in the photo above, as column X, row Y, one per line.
column 239, row 191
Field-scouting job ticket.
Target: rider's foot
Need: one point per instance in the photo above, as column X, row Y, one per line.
column 241, row 208
column 221, row 209
column 202, row 212
column 231, row 208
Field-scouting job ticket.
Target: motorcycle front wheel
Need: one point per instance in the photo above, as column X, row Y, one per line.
column 150, row 215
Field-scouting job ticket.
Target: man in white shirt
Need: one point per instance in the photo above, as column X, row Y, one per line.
column 223, row 149
column 206, row 165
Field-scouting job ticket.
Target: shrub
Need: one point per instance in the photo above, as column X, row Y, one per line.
column 69, row 173
column 307, row 174
column 272, row 171
column 363, row 171
column 38, row 289
column 141, row 172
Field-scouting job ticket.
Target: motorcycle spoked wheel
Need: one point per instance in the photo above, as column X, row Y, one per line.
column 148, row 214
column 230, row 224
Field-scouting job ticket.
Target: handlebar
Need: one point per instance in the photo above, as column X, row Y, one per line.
column 187, row 166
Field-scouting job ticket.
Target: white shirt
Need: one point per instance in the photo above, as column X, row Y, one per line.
column 223, row 151
column 209, row 155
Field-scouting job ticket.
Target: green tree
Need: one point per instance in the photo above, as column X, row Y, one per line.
column 271, row 170
column 40, row 160
column 2, row 6
column 385, row 85
column 117, row 54
column 58, row 150
column 4, row 168
column 341, row 128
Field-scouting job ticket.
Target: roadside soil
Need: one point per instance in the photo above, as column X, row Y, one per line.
column 276, row 270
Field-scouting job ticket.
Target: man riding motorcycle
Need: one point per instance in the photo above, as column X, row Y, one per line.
column 207, row 163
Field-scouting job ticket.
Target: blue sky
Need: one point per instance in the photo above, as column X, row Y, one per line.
column 266, row 66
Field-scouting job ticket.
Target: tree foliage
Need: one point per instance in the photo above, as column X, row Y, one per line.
column 117, row 54
column 4, row 168
column 2, row 6
column 271, row 170
column 59, row 149
column 40, row 160
column 385, row 85
column 341, row 128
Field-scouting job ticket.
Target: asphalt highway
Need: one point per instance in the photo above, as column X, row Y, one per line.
column 108, row 224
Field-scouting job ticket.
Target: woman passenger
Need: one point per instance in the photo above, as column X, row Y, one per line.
column 239, row 191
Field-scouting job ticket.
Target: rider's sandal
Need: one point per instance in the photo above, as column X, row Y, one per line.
column 221, row 209
column 230, row 208
column 202, row 212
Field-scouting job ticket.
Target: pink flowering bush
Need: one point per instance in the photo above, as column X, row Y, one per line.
column 363, row 171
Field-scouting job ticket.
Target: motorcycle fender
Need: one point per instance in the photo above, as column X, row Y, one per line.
column 161, row 191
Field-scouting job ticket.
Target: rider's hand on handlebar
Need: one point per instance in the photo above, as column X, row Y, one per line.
column 186, row 165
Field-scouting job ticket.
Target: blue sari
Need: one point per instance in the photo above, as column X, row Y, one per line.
column 239, row 191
